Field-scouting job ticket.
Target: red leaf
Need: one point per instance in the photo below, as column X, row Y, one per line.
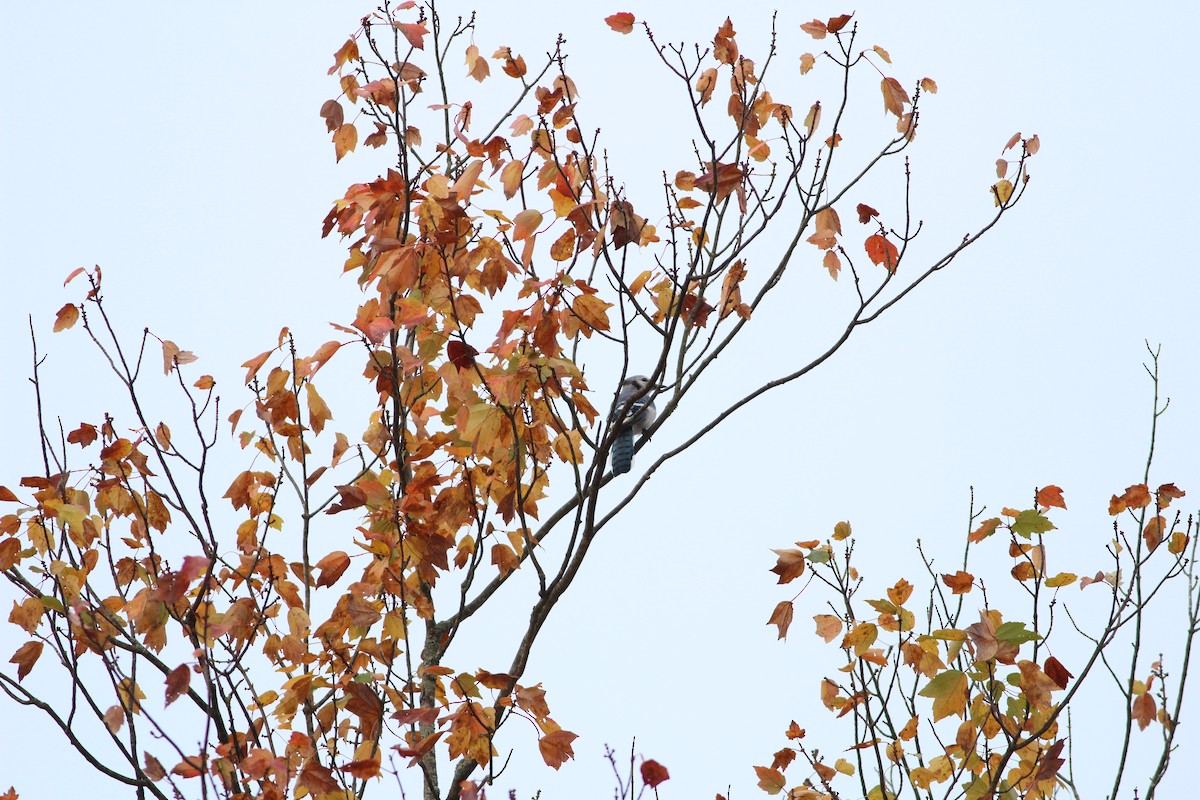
column 461, row 354
column 865, row 212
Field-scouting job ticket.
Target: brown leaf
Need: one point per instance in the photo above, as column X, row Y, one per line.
column 837, row 23
column 781, row 617
column 331, row 112
column 929, row 85
column 1144, row 710
column 789, row 566
column 25, row 657
column 178, row 682
column 894, row 96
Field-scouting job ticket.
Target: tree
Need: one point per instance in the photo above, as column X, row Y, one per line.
column 943, row 705
column 450, row 485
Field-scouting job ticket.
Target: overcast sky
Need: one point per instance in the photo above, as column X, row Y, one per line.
column 179, row 147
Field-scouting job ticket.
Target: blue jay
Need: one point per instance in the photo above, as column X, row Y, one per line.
column 632, row 421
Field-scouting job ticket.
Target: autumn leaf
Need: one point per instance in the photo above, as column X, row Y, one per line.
column 770, row 780
column 172, row 356
column 345, row 139
column 705, row 84
column 556, row 747
column 816, row 29
column 837, row 23
column 621, row 22
column 653, row 773
column 789, row 566
column 882, row 252
column 25, row 657
column 1001, row 192
column 67, row 316
column 178, row 682
column 414, row 32
column 807, row 61
column 948, row 690
column 1057, row 672
column 894, row 96
column 526, row 223
column 828, row 626
column 781, row 617
column 960, row 582
column 331, row 112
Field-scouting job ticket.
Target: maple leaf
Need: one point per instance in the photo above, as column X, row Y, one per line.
column 948, row 690
column 556, row 747
column 828, row 626
column 770, row 780
column 725, row 49
column 894, row 96
column 837, row 23
column 960, row 582
column 653, row 773
column 25, row 657
column 1051, row 496
column 789, row 566
column 882, row 252
column 865, row 212
column 414, row 32
column 345, row 139
column 816, row 29
column 781, row 617
column 621, row 22
column 67, row 316
column 178, row 682
column 807, row 61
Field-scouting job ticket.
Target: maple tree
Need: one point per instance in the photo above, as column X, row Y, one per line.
column 948, row 695
column 217, row 644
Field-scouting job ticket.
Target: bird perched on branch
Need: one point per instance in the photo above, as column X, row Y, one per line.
column 632, row 416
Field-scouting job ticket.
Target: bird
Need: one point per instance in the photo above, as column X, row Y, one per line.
column 632, row 419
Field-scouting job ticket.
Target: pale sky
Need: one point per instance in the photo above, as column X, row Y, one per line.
column 179, row 147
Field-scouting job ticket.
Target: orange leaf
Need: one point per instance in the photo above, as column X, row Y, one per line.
column 67, row 316
column 526, row 223
column 929, row 85
column 770, row 781
column 882, row 252
column 556, row 747
column 621, row 22
column 345, row 139
column 960, row 582
column 828, row 626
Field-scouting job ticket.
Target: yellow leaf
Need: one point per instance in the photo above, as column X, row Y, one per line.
column 1002, row 192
